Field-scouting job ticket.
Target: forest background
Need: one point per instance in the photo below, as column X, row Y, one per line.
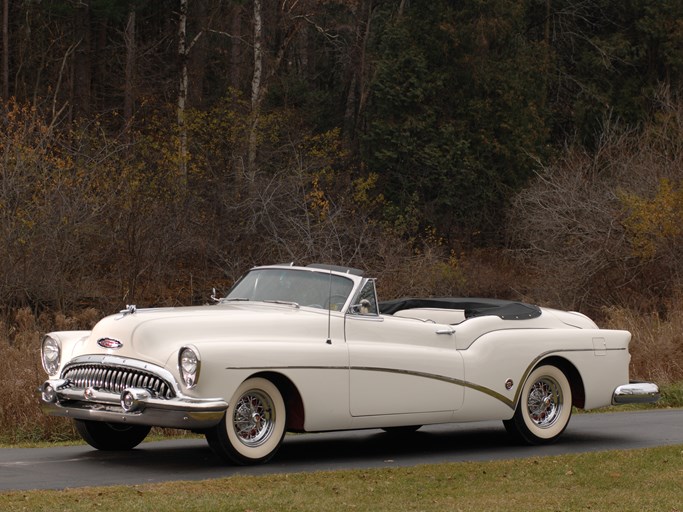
column 153, row 149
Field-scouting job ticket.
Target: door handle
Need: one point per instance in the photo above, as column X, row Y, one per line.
column 449, row 331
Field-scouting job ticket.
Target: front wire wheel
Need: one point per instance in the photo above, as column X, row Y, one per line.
column 253, row 426
column 111, row 436
column 544, row 408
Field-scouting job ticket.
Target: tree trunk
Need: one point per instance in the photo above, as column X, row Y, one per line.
column 131, row 50
column 236, row 48
column 82, row 72
column 5, row 49
column 546, row 53
column 359, row 82
column 260, row 81
column 199, row 47
column 256, row 96
column 182, row 89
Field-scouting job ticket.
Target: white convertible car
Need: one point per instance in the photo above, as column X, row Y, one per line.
column 310, row 349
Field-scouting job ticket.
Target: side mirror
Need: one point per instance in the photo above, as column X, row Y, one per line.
column 362, row 308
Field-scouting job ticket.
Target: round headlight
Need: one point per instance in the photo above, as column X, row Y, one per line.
column 50, row 354
column 189, row 365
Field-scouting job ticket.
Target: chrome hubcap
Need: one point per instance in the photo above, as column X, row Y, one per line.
column 254, row 418
column 545, row 402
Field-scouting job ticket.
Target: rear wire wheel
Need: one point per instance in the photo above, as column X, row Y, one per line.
column 253, row 426
column 544, row 408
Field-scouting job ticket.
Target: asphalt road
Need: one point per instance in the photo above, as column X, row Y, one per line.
column 79, row 466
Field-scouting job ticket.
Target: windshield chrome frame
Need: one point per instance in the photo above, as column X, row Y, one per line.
column 357, row 283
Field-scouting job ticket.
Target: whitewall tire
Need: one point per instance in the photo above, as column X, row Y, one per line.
column 544, row 408
column 253, row 426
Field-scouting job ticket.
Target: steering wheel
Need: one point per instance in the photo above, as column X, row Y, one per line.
column 336, row 300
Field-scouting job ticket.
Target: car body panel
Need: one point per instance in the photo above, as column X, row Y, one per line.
column 388, row 354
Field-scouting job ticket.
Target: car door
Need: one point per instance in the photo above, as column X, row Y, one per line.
column 401, row 365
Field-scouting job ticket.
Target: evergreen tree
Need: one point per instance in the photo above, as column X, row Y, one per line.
column 456, row 117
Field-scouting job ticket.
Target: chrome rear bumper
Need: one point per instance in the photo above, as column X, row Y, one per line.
column 636, row 393
column 134, row 406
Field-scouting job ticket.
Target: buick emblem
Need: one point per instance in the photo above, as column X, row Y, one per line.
column 109, row 343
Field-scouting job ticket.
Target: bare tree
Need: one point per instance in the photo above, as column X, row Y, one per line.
column 81, row 78
column 5, row 49
column 571, row 224
column 131, row 54
column 291, row 16
column 359, row 69
column 182, row 86
column 256, row 94
column 237, row 47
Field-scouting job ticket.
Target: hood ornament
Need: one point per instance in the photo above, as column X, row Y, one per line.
column 130, row 309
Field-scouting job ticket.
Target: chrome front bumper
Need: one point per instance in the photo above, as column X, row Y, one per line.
column 636, row 393
column 134, row 406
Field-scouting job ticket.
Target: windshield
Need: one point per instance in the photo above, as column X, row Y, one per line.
column 305, row 288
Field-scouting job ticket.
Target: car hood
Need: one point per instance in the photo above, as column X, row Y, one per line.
column 155, row 335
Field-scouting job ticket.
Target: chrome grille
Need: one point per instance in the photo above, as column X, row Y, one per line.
column 114, row 379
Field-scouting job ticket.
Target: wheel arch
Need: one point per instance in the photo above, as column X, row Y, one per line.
column 573, row 376
column 291, row 396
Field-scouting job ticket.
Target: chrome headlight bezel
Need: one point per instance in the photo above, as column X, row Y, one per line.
column 51, row 354
column 189, row 365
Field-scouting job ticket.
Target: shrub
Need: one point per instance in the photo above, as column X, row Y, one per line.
column 657, row 344
column 602, row 227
